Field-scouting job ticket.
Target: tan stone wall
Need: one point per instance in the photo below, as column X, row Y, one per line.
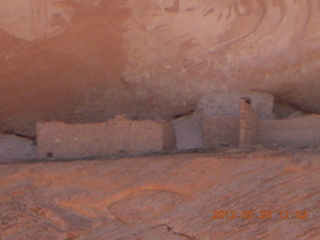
column 227, row 103
column 168, row 137
column 188, row 133
column 300, row 131
column 249, row 125
column 220, row 130
column 116, row 136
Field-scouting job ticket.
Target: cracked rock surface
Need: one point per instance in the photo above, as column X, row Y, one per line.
column 164, row 197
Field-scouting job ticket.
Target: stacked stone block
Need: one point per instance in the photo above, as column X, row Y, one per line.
column 119, row 135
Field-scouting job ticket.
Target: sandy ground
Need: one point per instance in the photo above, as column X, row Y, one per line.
column 164, row 197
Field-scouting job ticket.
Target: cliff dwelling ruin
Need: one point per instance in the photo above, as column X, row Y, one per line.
column 229, row 119
column 159, row 119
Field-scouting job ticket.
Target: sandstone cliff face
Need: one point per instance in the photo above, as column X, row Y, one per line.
column 89, row 60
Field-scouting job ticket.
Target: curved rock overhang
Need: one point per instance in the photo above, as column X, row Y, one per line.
column 89, row 60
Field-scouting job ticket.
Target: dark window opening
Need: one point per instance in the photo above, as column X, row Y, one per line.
column 49, row 154
column 247, row 99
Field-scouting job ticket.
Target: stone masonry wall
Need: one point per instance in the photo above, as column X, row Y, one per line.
column 249, row 125
column 220, row 130
column 119, row 135
column 188, row 133
column 227, row 103
column 300, row 131
column 168, row 136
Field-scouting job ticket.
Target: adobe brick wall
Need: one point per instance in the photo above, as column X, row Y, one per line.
column 118, row 135
column 219, row 115
column 227, row 103
column 299, row 131
column 168, row 136
column 220, row 130
column 188, row 133
column 249, row 125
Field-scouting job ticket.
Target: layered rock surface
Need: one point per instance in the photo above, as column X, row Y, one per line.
column 164, row 197
column 89, row 60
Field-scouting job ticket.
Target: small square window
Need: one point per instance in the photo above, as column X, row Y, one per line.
column 49, row 154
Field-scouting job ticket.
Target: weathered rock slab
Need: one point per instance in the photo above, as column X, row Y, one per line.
column 165, row 197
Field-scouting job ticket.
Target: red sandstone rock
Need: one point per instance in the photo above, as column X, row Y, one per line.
column 89, row 60
column 163, row 197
